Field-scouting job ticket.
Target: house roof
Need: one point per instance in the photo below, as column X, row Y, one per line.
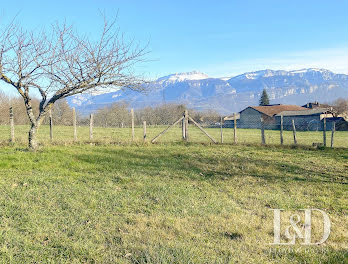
column 306, row 112
column 272, row 110
column 316, row 105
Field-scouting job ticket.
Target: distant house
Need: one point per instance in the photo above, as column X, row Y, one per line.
column 316, row 104
column 229, row 120
column 305, row 118
column 251, row 116
column 309, row 119
column 340, row 123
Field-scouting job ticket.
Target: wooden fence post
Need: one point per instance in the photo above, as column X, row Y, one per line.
column 12, row 128
column 235, row 128
column 74, row 124
column 91, row 127
column 294, row 131
column 144, row 125
column 324, row 131
column 263, row 140
column 332, row 133
column 51, row 125
column 132, row 116
column 183, row 127
column 281, row 130
column 222, row 135
column 186, row 125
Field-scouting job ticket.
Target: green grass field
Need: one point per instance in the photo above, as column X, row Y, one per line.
column 164, row 203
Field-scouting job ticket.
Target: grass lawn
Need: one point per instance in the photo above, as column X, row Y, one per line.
column 166, row 203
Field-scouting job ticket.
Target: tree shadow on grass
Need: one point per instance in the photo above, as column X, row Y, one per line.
column 123, row 160
column 206, row 166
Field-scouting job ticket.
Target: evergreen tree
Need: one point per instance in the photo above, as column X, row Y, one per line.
column 264, row 100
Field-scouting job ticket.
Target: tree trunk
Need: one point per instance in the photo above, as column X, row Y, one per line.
column 32, row 137
column 33, row 143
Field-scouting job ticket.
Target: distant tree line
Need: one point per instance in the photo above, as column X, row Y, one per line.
column 117, row 115
column 61, row 111
column 114, row 115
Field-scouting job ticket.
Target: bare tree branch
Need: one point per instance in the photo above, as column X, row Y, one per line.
column 66, row 63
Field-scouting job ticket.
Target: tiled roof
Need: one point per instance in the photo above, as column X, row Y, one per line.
column 312, row 111
column 272, row 110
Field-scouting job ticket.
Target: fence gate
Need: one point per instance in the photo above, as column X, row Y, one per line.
column 185, row 121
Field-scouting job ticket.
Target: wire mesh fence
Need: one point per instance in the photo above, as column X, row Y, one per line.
column 168, row 124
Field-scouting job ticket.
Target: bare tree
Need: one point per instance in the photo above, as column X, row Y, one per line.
column 340, row 107
column 20, row 115
column 64, row 63
column 61, row 113
column 115, row 115
column 4, row 109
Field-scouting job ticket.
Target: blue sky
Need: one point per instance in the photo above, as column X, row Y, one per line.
column 220, row 38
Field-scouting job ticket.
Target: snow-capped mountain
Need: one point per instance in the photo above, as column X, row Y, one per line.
column 180, row 77
column 227, row 95
column 271, row 73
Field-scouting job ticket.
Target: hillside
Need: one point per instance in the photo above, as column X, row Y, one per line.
column 226, row 95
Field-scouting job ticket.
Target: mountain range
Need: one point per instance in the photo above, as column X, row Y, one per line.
column 226, row 95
